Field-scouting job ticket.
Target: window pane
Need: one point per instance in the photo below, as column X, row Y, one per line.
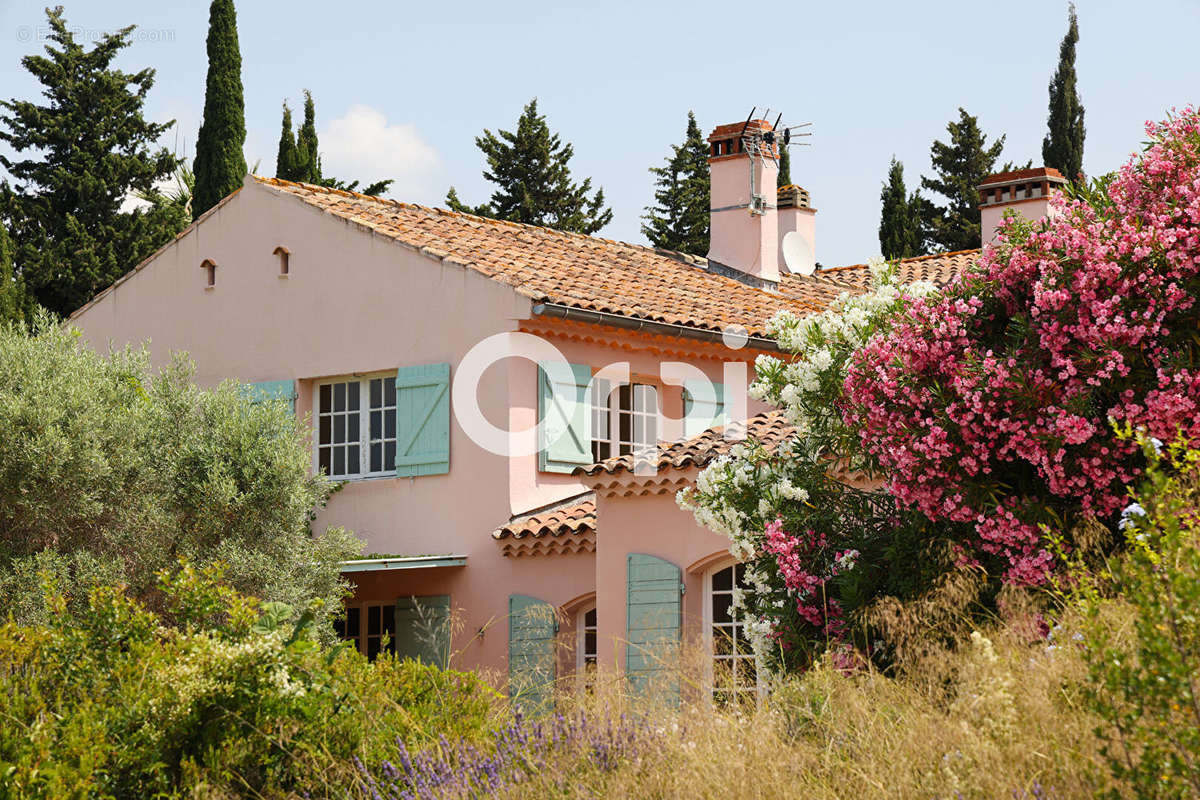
column 339, row 461
column 373, row 625
column 389, row 424
column 339, row 429
column 589, row 643
column 376, row 424
column 723, row 580
column 323, row 460
column 352, row 620
column 325, row 404
column 376, row 392
column 326, row 431
column 352, row 428
column 389, row 619
column 721, row 608
column 589, row 619
column 376, row 457
column 722, row 644
column 389, row 455
column 353, row 387
column 339, row 397
column 372, row 647
column 625, row 397
column 625, row 428
column 389, row 391
column 352, row 460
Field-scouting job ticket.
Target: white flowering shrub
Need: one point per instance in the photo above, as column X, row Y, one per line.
column 812, row 543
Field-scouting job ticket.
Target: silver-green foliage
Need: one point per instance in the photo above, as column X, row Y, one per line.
column 111, row 471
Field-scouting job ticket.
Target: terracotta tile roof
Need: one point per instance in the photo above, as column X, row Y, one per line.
column 769, row 428
column 570, row 269
column 938, row 268
column 568, row 526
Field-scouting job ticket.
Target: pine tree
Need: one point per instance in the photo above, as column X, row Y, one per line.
column 85, row 151
column 679, row 218
column 785, row 167
column 530, row 168
column 285, row 159
column 13, row 301
column 1063, row 146
column 959, row 167
column 899, row 220
column 220, row 164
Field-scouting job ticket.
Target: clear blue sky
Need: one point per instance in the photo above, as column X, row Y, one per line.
column 402, row 88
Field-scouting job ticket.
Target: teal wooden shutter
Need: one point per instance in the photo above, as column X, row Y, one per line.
column 703, row 406
column 263, row 391
column 423, row 420
column 654, row 614
column 565, row 417
column 423, row 629
column 531, row 651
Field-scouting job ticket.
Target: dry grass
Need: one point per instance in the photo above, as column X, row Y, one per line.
column 995, row 718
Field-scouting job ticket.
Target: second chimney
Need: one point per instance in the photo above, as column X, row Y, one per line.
column 743, row 214
column 1026, row 191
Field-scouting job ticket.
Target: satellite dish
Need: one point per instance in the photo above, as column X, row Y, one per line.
column 798, row 254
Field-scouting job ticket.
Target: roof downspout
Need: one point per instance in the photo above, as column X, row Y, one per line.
column 558, row 311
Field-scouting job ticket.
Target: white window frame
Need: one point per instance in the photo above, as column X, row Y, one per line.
column 760, row 687
column 364, row 424
column 586, row 676
column 640, row 412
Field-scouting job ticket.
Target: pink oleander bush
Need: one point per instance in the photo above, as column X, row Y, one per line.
column 993, row 403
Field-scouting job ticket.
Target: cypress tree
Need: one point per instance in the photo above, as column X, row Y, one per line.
column 308, row 156
column 76, row 160
column 285, row 159
column 899, row 220
column 679, row 218
column 1063, row 146
column 530, row 168
column 12, row 294
column 959, row 167
column 220, row 164
column 785, row 167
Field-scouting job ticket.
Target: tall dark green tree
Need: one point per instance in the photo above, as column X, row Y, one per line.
column 530, row 168
column 785, row 167
column 76, row 161
column 13, row 301
column 285, row 158
column 1063, row 146
column 899, row 219
column 678, row 220
column 299, row 157
column 220, row 164
column 308, row 156
column 959, row 167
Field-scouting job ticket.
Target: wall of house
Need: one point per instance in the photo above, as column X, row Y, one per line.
column 655, row 525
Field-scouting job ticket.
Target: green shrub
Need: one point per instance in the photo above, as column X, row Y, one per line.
column 1145, row 682
column 110, row 472
column 217, row 695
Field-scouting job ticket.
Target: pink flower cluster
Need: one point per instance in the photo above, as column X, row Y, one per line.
column 800, row 564
column 993, row 401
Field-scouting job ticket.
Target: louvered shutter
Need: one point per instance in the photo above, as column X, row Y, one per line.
column 703, row 406
column 263, row 391
column 565, row 414
column 654, row 616
column 531, row 651
column 423, row 420
column 423, row 629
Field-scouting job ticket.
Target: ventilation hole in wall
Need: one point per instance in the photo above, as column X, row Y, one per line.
column 210, row 272
column 284, row 266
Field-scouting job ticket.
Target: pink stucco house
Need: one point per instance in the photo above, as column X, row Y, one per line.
column 407, row 339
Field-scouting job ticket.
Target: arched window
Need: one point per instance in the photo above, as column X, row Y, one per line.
column 210, row 272
column 284, row 267
column 732, row 668
column 585, row 646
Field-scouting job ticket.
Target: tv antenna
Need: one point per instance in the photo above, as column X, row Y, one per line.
column 763, row 144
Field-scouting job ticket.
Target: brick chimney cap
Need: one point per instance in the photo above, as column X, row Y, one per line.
column 1023, row 175
column 734, row 129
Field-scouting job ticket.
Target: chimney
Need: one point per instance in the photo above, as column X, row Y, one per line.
column 743, row 217
column 1026, row 191
column 796, row 214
